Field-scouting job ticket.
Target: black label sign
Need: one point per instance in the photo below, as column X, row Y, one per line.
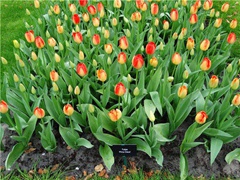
column 124, row 150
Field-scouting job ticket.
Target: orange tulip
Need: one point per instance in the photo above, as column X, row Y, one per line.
column 139, row 3
column 36, row 4
column 39, row 112
column 92, row 9
column 154, row 9
column 231, row 38
column 115, row 115
column 54, row 76
column 218, row 22
column 213, row 83
column 153, row 62
column 101, row 75
column 96, row 39
column 190, row 43
column 81, row 69
column 194, row 9
column 176, row 58
column 122, row 58
column 205, row 64
column 39, row 42
column 205, row 45
column 76, row 19
column 100, row 7
column 56, row 9
column 233, row 24
column 83, row 2
column 137, row 61
column 150, row 48
column 193, row 19
column 174, row 15
column 201, row 117
column 60, row 29
column 144, row 6
column 207, row 4
column 136, row 16
column 182, row 91
column 120, row 89
column 77, row 37
column 225, row 7
column 52, row 42
column 235, row 84
column 198, row 3
column 123, row 42
column 3, row 107
column 68, row 109
column 236, row 100
column 165, row 25
column 29, row 35
column 108, row 48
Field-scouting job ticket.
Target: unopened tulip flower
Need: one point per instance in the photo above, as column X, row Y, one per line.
column 120, row 89
column 68, row 110
column 198, row 3
column 194, row 9
column 83, row 2
column 233, row 24
column 85, row 17
column 156, row 22
column 217, row 14
column 94, row 63
column 52, row 42
column 129, row 78
column 139, row 3
column 231, row 38
column 57, row 58
column 150, row 48
column 236, row 100
column 91, row 108
column 122, row 58
column 205, row 45
column 123, row 42
column 92, row 9
column 28, row 12
column 151, row 116
column 60, row 29
column 17, row 57
column 182, row 91
column 235, row 84
column 185, row 74
column 136, row 16
column 213, row 82
column 115, row 115
column 136, row 91
column 39, row 42
column 109, row 61
column 201, row 117
column 81, row 55
column 190, row 43
column 207, row 4
column 29, row 35
column 16, row 44
column 36, row 4
column 3, row 107
column 114, row 22
column 70, row 89
column 55, row 87
column 100, row 6
column 202, row 27
column 205, row 64
column 15, row 78
column 184, row 31
column 33, row 90
column 170, row 79
column 193, row 19
column 144, row 6
column 106, row 34
column 75, row 19
column 108, row 48
column 95, row 21
column 4, row 61
column 117, row 4
column 161, row 46
column 72, row 8
column 81, row 69
column 184, row 2
column 225, row 7
column 77, row 90
column 229, row 68
column 138, row 61
column 212, row 13
column 39, row 112
column 165, row 25
column 77, row 37
column 154, row 9
column 176, row 58
column 21, row 63
column 54, row 76
column 218, row 38
column 174, row 14
column 22, row 87
column 56, row 9
column 153, row 62
column 218, row 22
column 101, row 75
column 96, row 39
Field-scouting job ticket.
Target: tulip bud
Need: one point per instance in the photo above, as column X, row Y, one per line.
column 154, row 9
column 85, row 17
column 101, row 75
column 39, row 21
column 49, row 12
column 91, row 108
column 16, row 44
column 150, row 48
column 205, row 45
column 22, row 87
column 96, row 22
column 213, row 83
column 193, row 19
column 184, row 2
column 33, row 90
column 72, row 8
column 150, row 38
column 229, row 68
column 115, row 115
column 39, row 42
column 52, row 42
column 151, row 116
column 77, row 29
column 108, row 48
column 142, row 48
column 47, row 34
column 122, row 58
column 185, row 74
column 21, row 63
column 192, row 52
column 117, row 4
column 161, row 46
column 156, row 22
column 60, row 29
column 170, row 79
column 218, row 38
column 70, row 89
column 165, row 25
column 165, row 8
column 202, row 27
column 190, row 43
column 175, row 35
column 180, row 37
column 136, row 91
column 174, row 14
column 217, row 14
column 17, row 57
column 129, row 78
column 109, row 61
column 4, row 61
column 144, row 6
column 3, row 107
column 218, row 22
column 114, row 22
column 201, row 117
column 123, row 42
column 176, row 58
column 236, row 100
column 205, row 64
column 233, row 24
column 56, row 9
column 77, row 90
column 225, row 7
column 15, row 78
column 102, row 13
column 153, row 62
column 182, row 91
column 32, row 77
column 55, row 87
column 94, row 63
column 68, row 110
column 39, row 112
column 28, row 12
column 235, row 84
column 119, row 89
column 212, row 13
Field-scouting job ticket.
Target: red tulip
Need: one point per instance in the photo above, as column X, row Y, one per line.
column 120, row 89
column 39, row 112
column 76, row 19
column 100, row 7
column 122, row 58
column 231, row 38
column 139, row 3
column 96, row 39
column 68, row 109
column 154, row 8
column 137, row 61
column 123, row 42
column 77, row 37
column 201, row 117
column 83, row 2
column 3, row 107
column 205, row 64
column 81, row 69
column 174, row 15
column 39, row 42
column 92, row 9
column 29, row 35
column 150, row 48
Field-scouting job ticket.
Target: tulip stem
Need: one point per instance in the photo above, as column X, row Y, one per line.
column 205, row 104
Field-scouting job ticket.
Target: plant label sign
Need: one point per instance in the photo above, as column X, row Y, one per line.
column 124, row 150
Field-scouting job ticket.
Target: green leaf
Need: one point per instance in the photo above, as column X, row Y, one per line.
column 84, row 142
column 216, row 145
column 156, row 100
column 162, row 132
column 155, row 80
column 235, row 154
column 107, row 155
column 93, row 123
column 183, row 166
column 1, row 137
column 30, row 128
column 106, row 95
column 70, row 136
column 212, row 132
column 141, row 145
column 149, row 106
column 107, row 138
column 77, row 117
column 48, row 140
column 157, row 153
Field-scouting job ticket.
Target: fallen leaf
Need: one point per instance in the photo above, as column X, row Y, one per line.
column 70, row 178
column 42, row 171
column 31, row 173
column 84, row 173
column 102, row 173
column 133, row 165
column 88, row 176
column 55, row 167
column 106, row 176
column 30, row 150
column 68, row 148
column 149, row 174
column 98, row 168
column 117, row 178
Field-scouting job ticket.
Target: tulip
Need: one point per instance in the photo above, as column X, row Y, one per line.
column 22, row 87
column 75, row 19
column 174, row 15
column 136, row 16
column 129, row 78
column 217, row 14
column 39, row 42
column 60, row 29
column 33, row 90
column 151, row 116
column 184, row 31
column 36, row 4
column 137, row 61
column 55, row 87
column 28, row 12
column 17, row 57
column 205, row 45
column 136, row 91
column 185, row 74
column 96, row 39
column 165, row 25
column 52, row 42
column 213, row 83
column 15, row 78
column 201, row 117
column 77, row 37
column 212, row 13
column 122, row 58
column 120, row 89
column 83, row 2
column 81, row 55
column 229, row 68
column 21, row 63
column 182, row 91
column 39, row 112
column 3, row 107
column 94, row 63
column 70, row 89
column 144, row 6
column 114, row 22
column 29, row 35
column 184, row 2
column 193, row 19
column 194, row 9
column 176, row 58
column 4, row 61
column 218, row 22
column 109, row 61
column 190, row 43
column 85, row 17
column 235, row 84
column 57, row 58
column 198, row 3
column 231, row 38
column 202, row 27
column 123, row 42
column 101, row 75
column 91, row 108
column 236, row 100
column 16, row 44
column 117, row 4
column 170, row 79
column 56, row 9
column 150, row 48
column 205, row 64
column 72, row 8
column 68, row 109
column 156, row 22
column 106, row 34
column 115, row 115
column 225, row 7
column 161, row 46
column 96, row 22
column 154, row 9
column 218, row 38
column 139, row 3
column 233, row 24
column 100, row 7
column 81, row 69
column 92, row 9
column 207, row 4
column 77, row 90
column 54, row 76
column 108, row 48
column 153, row 62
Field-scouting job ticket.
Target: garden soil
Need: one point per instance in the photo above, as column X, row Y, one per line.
column 83, row 161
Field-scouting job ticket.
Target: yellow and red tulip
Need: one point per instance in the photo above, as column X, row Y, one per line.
column 122, row 58
column 77, row 37
column 56, row 9
column 154, row 9
column 174, row 14
column 231, row 38
column 123, row 42
column 190, row 43
column 92, row 9
column 81, row 69
column 68, row 110
column 235, row 84
column 115, row 115
column 52, row 42
column 101, row 75
column 39, row 112
column 193, row 19
column 213, row 83
column 54, row 76
column 205, row 64
column 96, row 39
column 39, row 42
column 138, row 61
column 225, row 7
column 153, row 62
column 201, row 117
column 3, row 107
column 83, row 2
column 176, row 58
column 108, row 48
column 233, row 24
column 29, row 35
column 75, row 19
column 182, row 91
column 120, row 89
column 236, row 100
column 205, row 45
